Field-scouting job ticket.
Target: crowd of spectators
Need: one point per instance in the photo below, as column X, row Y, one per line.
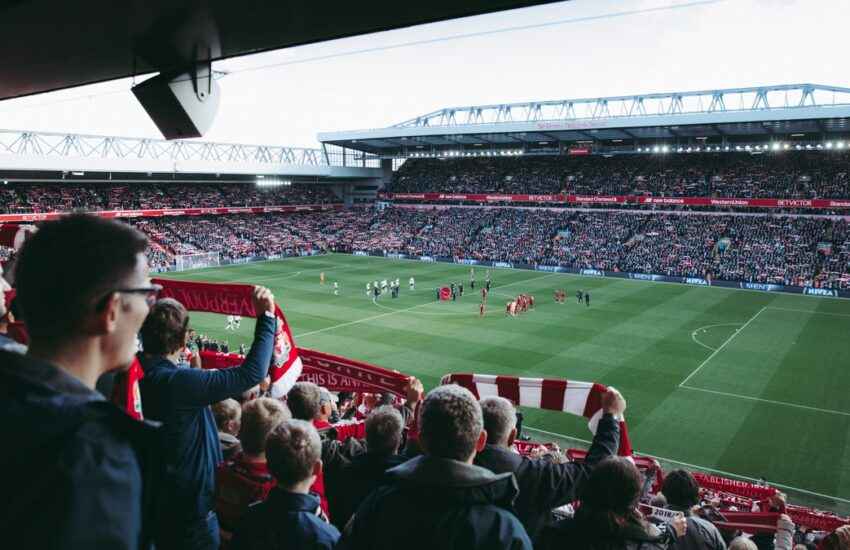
column 26, row 198
column 414, row 471
column 788, row 250
column 788, row 174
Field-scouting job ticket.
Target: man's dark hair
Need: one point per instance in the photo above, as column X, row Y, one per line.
column 66, row 268
column 304, row 400
column 292, row 449
column 609, row 497
column 384, row 426
column 165, row 327
column 680, row 489
column 451, row 422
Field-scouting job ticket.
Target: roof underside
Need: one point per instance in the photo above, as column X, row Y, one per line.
column 55, row 44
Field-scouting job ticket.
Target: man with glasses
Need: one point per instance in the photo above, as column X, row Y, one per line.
column 181, row 399
column 76, row 475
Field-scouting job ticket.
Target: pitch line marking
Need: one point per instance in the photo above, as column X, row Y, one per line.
column 394, row 312
column 771, row 401
column 723, row 345
column 706, row 327
column 810, row 311
column 697, row 467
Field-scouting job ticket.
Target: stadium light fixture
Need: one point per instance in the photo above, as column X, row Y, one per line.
column 786, row 146
column 776, row 146
column 656, row 149
column 820, row 146
column 840, row 145
column 688, row 149
column 829, row 145
column 798, row 147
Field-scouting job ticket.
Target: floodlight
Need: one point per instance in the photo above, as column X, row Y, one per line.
column 829, row 145
column 665, row 149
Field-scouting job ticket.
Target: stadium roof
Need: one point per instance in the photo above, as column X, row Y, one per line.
column 729, row 114
column 55, row 44
column 37, row 156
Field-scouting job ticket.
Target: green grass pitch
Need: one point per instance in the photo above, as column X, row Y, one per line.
column 748, row 383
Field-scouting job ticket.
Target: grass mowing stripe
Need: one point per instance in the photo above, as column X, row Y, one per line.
column 723, row 345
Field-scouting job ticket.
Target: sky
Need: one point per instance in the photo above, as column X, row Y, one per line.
column 582, row 48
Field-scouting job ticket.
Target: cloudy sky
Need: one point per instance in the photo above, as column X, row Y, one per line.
column 583, row 48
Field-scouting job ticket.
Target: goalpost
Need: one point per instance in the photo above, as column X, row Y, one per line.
column 195, row 261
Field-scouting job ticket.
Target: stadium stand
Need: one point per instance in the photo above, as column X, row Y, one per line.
column 802, row 175
column 26, row 198
column 788, row 250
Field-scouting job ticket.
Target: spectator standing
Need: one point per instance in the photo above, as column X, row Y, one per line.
column 608, row 518
column 682, row 493
column 228, row 420
column 246, row 479
column 81, row 473
column 440, row 499
column 181, row 399
column 544, row 483
column 384, row 427
column 291, row 518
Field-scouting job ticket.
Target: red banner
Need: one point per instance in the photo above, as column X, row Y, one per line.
column 330, row 371
column 342, row 374
column 723, row 202
column 733, row 486
column 155, row 213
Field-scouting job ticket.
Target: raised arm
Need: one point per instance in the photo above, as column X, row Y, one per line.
column 205, row 387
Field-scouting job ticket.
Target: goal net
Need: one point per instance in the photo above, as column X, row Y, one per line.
column 195, row 261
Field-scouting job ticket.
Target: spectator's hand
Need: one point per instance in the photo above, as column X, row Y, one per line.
column 680, row 526
column 263, row 300
column 613, row 402
column 777, row 501
column 414, row 391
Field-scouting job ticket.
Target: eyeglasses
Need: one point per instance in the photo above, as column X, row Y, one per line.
column 150, row 292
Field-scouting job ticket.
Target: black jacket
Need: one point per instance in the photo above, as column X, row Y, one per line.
column 285, row 520
column 544, row 485
column 434, row 503
column 572, row 534
column 180, row 399
column 357, row 479
column 77, row 472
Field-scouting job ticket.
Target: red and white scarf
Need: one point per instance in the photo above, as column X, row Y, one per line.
column 578, row 398
column 235, row 299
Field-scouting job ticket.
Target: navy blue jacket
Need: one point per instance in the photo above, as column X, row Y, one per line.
column 285, row 520
column 180, row 399
column 75, row 467
column 433, row 503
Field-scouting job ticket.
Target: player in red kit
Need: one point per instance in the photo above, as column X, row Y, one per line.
column 481, row 309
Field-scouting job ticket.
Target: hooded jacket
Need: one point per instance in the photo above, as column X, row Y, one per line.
column 78, row 472
column 432, row 502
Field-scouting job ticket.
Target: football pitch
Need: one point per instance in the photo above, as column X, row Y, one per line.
column 731, row 382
